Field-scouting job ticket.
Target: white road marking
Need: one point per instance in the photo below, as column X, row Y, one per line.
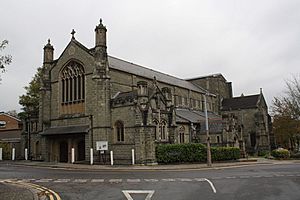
column 244, row 177
column 128, row 192
column 185, row 179
column 151, row 180
column 168, row 179
column 115, row 180
column 215, row 178
column 80, row 181
column 279, row 175
column 97, row 180
column 290, row 175
column 230, row 177
column 211, row 185
column 133, row 180
column 46, row 180
column 61, row 180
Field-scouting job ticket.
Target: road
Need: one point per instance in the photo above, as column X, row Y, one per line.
column 273, row 181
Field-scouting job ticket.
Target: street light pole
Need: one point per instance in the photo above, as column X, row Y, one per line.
column 207, row 133
column 28, row 137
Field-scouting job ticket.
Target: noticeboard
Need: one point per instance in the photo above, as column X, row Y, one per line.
column 101, row 145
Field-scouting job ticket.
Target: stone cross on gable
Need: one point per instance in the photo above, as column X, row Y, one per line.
column 73, row 33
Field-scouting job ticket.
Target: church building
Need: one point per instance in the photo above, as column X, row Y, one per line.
column 88, row 96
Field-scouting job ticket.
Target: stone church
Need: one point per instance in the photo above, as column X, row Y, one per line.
column 88, row 96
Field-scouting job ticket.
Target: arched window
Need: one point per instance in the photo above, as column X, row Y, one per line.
column 72, row 83
column 181, row 134
column 163, row 131
column 120, row 131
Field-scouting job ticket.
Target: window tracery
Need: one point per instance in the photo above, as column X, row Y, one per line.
column 72, row 83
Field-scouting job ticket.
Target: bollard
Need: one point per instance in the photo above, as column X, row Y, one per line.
column 26, row 154
column 13, row 155
column 92, row 156
column 111, row 158
column 132, row 155
column 73, row 156
column 0, row 153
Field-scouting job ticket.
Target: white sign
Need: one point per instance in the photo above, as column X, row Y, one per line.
column 101, row 145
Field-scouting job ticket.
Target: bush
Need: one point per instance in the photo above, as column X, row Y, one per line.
column 225, row 153
column 263, row 153
column 5, row 150
column 280, row 153
column 172, row 153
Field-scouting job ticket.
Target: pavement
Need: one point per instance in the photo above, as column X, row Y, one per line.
column 13, row 190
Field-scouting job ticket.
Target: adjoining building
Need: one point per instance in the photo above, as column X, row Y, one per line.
column 88, row 96
column 10, row 135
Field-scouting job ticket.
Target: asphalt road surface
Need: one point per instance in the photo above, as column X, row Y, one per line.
column 273, row 181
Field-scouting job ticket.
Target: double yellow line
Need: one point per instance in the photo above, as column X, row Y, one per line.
column 42, row 190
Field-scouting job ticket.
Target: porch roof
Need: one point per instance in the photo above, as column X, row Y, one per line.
column 66, row 130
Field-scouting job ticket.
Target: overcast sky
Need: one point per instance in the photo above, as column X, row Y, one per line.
column 254, row 43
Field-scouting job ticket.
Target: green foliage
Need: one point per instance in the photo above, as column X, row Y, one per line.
column 4, row 59
column 286, row 115
column 5, row 150
column 263, row 153
column 280, row 153
column 225, row 153
column 30, row 100
column 175, row 153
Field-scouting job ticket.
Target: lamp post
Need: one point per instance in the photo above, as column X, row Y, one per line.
column 207, row 133
column 28, row 135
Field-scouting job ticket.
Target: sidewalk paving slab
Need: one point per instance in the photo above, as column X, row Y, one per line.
column 184, row 166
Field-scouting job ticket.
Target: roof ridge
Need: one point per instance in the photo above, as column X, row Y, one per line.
column 245, row 96
column 147, row 68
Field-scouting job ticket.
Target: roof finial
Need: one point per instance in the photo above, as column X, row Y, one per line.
column 49, row 41
column 73, row 33
column 100, row 20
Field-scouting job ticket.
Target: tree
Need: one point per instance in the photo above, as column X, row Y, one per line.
column 4, row 59
column 286, row 115
column 30, row 100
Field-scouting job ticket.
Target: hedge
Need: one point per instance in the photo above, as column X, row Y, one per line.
column 281, row 153
column 178, row 153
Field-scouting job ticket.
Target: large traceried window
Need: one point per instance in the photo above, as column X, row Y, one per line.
column 72, row 83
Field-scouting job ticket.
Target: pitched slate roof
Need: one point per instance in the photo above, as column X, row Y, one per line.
column 189, row 115
column 215, row 122
column 123, row 98
column 138, row 70
column 244, row 102
column 122, row 65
